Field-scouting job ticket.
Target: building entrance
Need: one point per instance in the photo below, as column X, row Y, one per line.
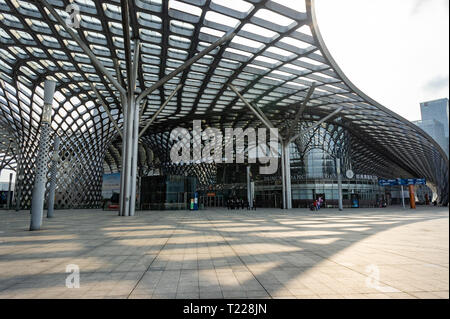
column 212, row 201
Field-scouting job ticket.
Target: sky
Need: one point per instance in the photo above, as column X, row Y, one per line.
column 396, row 52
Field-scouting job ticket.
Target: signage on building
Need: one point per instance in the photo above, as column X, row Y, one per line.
column 110, row 185
column 402, row 181
column 349, row 174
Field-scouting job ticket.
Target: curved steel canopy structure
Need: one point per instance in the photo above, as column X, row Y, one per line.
column 276, row 55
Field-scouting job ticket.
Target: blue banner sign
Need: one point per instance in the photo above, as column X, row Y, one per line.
column 421, row 181
column 402, row 181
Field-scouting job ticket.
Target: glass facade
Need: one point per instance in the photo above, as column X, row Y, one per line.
column 167, row 192
column 313, row 173
column 319, row 164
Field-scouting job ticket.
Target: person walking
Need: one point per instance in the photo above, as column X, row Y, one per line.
column 316, row 205
column 319, row 202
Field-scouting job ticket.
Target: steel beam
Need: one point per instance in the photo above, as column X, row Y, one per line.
column 285, row 159
column 185, row 65
column 301, row 109
column 83, row 46
column 160, row 109
column 316, row 124
column 118, row 72
column 105, row 107
column 262, row 118
column 144, row 106
column 257, row 109
column 125, row 11
column 3, row 163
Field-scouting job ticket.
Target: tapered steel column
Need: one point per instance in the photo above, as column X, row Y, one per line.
column 249, row 188
column 339, row 177
column 8, row 199
column 134, row 168
column 287, row 175
column 133, row 126
column 53, row 171
column 283, row 176
column 403, row 196
column 128, row 150
column 37, row 201
column 19, row 181
column 124, row 162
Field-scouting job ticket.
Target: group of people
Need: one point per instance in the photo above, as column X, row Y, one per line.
column 315, row 206
column 235, row 203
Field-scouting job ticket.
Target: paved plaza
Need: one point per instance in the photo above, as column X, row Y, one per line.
column 268, row 253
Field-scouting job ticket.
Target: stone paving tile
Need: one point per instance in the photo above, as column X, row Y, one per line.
column 211, row 295
column 365, row 253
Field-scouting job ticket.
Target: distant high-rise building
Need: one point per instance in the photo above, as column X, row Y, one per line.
column 435, row 121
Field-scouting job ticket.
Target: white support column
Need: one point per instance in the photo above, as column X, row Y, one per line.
column 53, row 172
column 339, row 176
column 286, row 175
column 403, row 197
column 134, row 164
column 249, row 187
column 37, row 201
column 128, row 151
column 283, row 177
column 19, row 182
column 124, row 162
column 8, row 199
column 135, row 130
column 287, row 167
